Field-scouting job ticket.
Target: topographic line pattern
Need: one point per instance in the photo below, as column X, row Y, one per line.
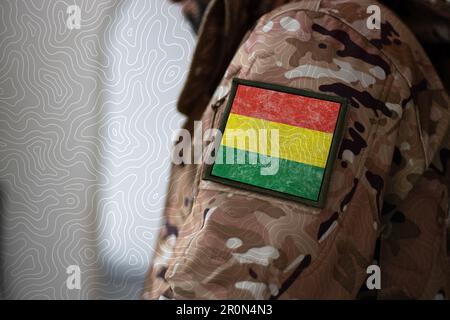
column 86, row 120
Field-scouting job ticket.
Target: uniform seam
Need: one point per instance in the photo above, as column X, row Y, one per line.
column 319, row 4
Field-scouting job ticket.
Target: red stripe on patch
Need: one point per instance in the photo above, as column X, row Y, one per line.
column 287, row 108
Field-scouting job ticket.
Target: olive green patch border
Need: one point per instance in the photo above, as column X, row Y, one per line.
column 335, row 143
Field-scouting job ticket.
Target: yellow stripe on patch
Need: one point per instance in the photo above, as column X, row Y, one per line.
column 295, row 143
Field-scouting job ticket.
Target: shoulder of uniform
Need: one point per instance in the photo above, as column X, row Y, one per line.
column 397, row 44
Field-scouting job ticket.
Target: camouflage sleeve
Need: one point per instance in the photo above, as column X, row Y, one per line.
column 414, row 257
column 415, row 246
column 238, row 244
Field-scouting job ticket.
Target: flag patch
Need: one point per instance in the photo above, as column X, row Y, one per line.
column 278, row 140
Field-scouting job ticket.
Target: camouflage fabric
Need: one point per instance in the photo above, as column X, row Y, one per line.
column 390, row 180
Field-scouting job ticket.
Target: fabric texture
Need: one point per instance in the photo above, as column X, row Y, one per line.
column 390, row 180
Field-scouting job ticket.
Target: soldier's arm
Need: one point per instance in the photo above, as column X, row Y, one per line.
column 238, row 243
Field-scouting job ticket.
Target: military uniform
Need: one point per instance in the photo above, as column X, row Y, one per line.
column 388, row 188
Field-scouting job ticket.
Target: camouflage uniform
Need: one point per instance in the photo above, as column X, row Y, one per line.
column 389, row 182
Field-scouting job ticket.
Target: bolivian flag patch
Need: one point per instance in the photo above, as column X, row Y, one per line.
column 278, row 140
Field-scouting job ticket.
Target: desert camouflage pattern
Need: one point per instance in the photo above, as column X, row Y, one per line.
column 389, row 182
column 193, row 11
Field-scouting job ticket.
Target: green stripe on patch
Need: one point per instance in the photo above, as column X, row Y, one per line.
column 292, row 177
